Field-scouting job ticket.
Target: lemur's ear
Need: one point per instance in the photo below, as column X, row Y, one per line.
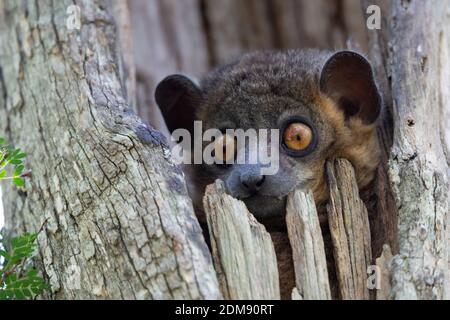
column 177, row 97
column 347, row 78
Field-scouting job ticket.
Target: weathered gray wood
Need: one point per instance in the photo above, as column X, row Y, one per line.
column 412, row 64
column 308, row 251
column 243, row 252
column 120, row 224
column 413, row 47
column 418, row 168
column 350, row 231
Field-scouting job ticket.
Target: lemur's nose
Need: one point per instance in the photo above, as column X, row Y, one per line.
column 252, row 181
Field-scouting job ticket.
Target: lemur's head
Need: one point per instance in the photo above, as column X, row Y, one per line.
column 325, row 105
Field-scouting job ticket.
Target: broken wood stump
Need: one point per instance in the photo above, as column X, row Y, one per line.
column 350, row 232
column 244, row 255
column 308, row 252
column 243, row 252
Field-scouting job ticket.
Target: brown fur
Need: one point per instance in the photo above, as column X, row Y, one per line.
column 355, row 142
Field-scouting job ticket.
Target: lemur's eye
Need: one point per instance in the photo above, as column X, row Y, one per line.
column 224, row 148
column 297, row 136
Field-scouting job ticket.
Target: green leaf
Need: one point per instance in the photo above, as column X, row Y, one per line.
column 19, row 182
column 2, row 174
column 16, row 162
column 19, row 170
column 10, row 279
column 32, row 273
column 4, row 254
column 19, row 241
column 21, row 155
column 25, row 287
column 18, row 294
column 22, row 247
column 27, row 292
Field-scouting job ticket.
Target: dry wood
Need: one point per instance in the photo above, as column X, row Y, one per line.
column 308, row 251
column 418, row 167
column 350, row 231
column 243, row 252
column 411, row 53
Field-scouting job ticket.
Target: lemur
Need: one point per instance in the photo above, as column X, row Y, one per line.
column 325, row 104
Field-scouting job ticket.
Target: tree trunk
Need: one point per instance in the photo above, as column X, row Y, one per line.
column 418, row 166
column 118, row 222
column 411, row 55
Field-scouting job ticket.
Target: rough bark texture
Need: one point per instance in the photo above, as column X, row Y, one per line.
column 308, row 250
column 119, row 223
column 411, row 53
column 244, row 255
column 350, row 231
column 418, row 168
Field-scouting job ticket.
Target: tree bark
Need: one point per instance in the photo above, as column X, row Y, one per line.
column 411, row 56
column 118, row 222
column 417, row 166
